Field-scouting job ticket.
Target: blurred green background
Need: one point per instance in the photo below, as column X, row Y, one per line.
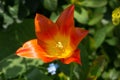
column 100, row 50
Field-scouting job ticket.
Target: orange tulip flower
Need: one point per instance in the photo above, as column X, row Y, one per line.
column 55, row 41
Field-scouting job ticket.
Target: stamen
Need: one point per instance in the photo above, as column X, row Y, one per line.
column 59, row 45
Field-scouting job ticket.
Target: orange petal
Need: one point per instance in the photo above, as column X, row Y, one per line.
column 74, row 58
column 44, row 28
column 76, row 36
column 66, row 20
column 31, row 49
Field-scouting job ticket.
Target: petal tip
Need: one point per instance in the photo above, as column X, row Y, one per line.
column 36, row 16
column 86, row 32
column 71, row 8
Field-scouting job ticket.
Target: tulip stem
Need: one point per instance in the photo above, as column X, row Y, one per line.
column 71, row 70
column 26, row 66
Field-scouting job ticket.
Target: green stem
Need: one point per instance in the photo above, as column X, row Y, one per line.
column 26, row 66
column 71, row 70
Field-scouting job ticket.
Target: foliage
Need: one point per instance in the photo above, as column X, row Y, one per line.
column 100, row 50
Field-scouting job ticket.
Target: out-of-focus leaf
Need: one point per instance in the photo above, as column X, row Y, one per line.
column 117, row 61
column 101, row 34
column 92, row 43
column 13, row 37
column 50, row 4
column 10, row 40
column 113, row 3
column 117, row 32
column 75, row 1
column 110, row 27
column 53, row 17
column 112, row 41
column 81, row 17
column 111, row 74
column 83, row 69
column 7, row 20
column 14, row 11
column 94, row 3
column 96, row 68
column 63, row 76
column 95, row 19
column 65, row 68
column 97, row 16
column 36, row 74
column 13, row 66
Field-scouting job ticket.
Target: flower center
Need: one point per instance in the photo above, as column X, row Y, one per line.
column 59, row 47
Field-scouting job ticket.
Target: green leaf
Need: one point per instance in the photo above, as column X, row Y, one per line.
column 81, row 17
column 117, row 61
column 13, row 37
column 112, row 74
column 50, row 4
column 62, row 76
column 10, row 40
column 64, row 68
column 96, row 16
column 96, row 68
column 7, row 20
column 53, row 16
column 101, row 34
column 113, row 41
column 83, row 69
column 36, row 74
column 95, row 19
column 94, row 3
column 14, row 11
column 13, row 66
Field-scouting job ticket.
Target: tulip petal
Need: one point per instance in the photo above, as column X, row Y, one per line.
column 66, row 20
column 76, row 36
column 44, row 28
column 74, row 58
column 31, row 49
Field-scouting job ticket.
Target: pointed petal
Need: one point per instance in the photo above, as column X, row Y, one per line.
column 66, row 20
column 31, row 49
column 74, row 58
column 76, row 36
column 44, row 28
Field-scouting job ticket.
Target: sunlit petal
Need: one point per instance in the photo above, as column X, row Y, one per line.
column 31, row 49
